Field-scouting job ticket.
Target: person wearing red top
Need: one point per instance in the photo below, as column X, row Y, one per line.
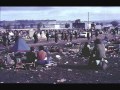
column 42, row 56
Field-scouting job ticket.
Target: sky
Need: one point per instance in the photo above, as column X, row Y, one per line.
column 59, row 13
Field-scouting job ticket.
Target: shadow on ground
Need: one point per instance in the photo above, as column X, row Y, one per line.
column 79, row 67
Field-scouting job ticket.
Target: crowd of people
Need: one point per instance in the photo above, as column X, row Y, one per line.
column 42, row 55
column 9, row 36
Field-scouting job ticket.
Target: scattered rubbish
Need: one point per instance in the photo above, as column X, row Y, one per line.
column 111, row 74
column 1, row 68
column 106, row 61
column 47, row 66
column 61, row 80
column 39, row 75
column 58, row 56
column 96, row 71
column 27, row 81
column 97, row 80
column 66, row 62
column 69, row 69
column 114, row 55
column 77, row 73
column 75, row 62
column 16, row 70
column 54, row 72
column 64, row 53
column 54, row 83
column 97, row 62
column 73, row 56
column 31, row 77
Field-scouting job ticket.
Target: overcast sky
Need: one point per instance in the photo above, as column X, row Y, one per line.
column 60, row 13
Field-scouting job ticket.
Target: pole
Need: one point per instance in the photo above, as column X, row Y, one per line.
column 88, row 20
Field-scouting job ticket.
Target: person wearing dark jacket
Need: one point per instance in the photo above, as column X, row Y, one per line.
column 35, row 37
column 96, row 34
column 71, row 36
column 62, row 35
column 30, row 57
column 86, row 50
column 4, row 39
column 88, row 35
column 16, row 38
column 76, row 34
column 47, row 35
column 56, row 37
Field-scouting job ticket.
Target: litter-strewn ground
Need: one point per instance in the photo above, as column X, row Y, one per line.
column 70, row 68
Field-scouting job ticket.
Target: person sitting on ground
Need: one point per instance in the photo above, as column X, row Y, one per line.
column 42, row 56
column 86, row 50
column 30, row 56
column 98, row 52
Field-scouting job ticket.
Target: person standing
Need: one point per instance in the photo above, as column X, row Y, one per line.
column 71, row 36
column 16, row 37
column 47, row 35
column 35, row 37
column 96, row 34
column 4, row 39
column 114, row 34
column 67, row 36
column 76, row 34
column 88, row 36
column 56, row 37
column 62, row 35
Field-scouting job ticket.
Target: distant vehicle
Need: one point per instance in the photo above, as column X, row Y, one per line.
column 84, row 34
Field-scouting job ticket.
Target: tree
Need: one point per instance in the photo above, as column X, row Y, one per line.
column 114, row 23
column 67, row 25
column 39, row 25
